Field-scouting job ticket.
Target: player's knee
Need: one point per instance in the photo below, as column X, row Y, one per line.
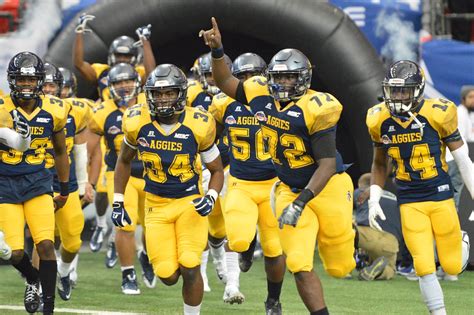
column 169, row 281
column 341, row 268
column 452, row 266
column 297, row 262
column 72, row 247
column 189, row 259
column 164, row 270
column 271, row 248
column 424, row 265
column 45, row 250
column 17, row 255
column 239, row 245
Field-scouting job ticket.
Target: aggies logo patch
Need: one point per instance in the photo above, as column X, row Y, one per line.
column 260, row 115
column 230, row 120
column 385, row 139
column 113, row 130
column 142, row 142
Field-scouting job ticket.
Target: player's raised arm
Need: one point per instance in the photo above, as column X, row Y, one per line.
column 82, row 66
column 144, row 34
column 225, row 81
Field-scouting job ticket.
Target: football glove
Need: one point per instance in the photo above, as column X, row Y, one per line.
column 21, row 125
column 144, row 32
column 291, row 214
column 375, row 211
column 82, row 23
column 204, row 205
column 120, row 216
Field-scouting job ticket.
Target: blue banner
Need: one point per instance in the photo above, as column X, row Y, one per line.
column 391, row 26
column 448, row 65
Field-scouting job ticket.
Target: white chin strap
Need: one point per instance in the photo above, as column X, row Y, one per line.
column 417, row 122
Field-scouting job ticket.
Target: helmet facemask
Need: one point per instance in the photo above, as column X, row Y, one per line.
column 402, row 98
column 165, row 101
column 25, row 91
column 124, row 92
column 288, row 91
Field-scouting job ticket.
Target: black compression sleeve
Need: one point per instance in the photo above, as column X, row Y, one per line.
column 324, row 145
column 240, row 94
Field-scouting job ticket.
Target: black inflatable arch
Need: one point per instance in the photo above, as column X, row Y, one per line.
column 345, row 63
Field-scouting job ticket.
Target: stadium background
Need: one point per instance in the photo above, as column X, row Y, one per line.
column 349, row 42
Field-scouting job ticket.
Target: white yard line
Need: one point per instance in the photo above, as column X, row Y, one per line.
column 70, row 310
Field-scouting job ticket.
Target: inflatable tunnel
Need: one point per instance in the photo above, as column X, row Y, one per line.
column 345, row 64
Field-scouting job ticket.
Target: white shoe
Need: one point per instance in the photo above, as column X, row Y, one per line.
column 232, row 295
column 444, row 276
column 5, row 250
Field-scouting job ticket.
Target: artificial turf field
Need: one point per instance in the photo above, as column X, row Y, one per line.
column 98, row 289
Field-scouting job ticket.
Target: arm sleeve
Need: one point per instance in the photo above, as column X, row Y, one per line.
column 323, row 144
column 240, row 94
column 14, row 140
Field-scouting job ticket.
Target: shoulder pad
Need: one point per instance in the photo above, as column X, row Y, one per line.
column 99, row 68
column 322, row 111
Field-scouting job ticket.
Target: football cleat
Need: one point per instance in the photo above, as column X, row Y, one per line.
column 64, row 287
column 111, row 256
column 371, row 272
column 32, row 296
column 272, row 307
column 5, row 250
column 147, row 270
column 97, row 239
column 232, row 295
column 129, row 283
column 444, row 276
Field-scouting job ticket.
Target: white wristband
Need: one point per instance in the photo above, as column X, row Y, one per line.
column 213, row 193
column 118, row 197
column 375, row 193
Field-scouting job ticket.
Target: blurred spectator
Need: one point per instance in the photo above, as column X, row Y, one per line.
column 381, row 247
column 461, row 28
column 466, row 129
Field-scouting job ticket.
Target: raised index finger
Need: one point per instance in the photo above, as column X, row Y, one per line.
column 214, row 24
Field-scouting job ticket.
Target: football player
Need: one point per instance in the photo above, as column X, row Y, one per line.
column 125, row 87
column 414, row 132
column 251, row 178
column 200, row 94
column 122, row 49
column 69, row 90
column 26, row 185
column 168, row 137
column 70, row 218
column 314, row 198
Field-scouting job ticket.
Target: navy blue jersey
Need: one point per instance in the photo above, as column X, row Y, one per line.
column 198, row 98
column 170, row 159
column 289, row 130
column 24, row 174
column 418, row 155
column 107, row 121
column 249, row 156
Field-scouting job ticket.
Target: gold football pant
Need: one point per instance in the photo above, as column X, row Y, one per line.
column 423, row 220
column 70, row 222
column 39, row 215
column 175, row 234
column 248, row 204
column 327, row 218
column 133, row 199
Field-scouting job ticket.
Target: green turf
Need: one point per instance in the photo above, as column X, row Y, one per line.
column 99, row 289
